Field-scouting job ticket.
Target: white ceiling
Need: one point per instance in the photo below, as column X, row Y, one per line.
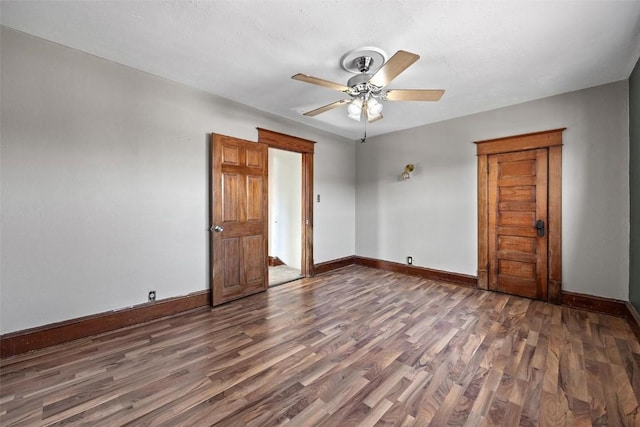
column 486, row 54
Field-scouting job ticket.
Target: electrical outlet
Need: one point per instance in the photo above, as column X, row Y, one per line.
column 152, row 296
column 410, row 260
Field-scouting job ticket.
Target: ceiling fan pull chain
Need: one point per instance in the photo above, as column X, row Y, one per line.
column 364, row 138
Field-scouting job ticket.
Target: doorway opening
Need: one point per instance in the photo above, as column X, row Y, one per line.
column 303, row 148
column 239, row 212
column 285, row 219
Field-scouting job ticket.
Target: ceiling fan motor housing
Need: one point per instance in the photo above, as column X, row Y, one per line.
column 359, row 85
column 363, row 63
column 363, row 60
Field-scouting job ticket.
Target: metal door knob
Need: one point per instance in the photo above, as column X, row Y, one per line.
column 217, row 229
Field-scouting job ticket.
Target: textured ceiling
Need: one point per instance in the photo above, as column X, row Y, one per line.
column 485, row 54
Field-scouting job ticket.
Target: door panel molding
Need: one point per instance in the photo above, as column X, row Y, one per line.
column 527, row 141
column 554, row 227
column 551, row 140
column 238, row 232
column 517, row 200
column 285, row 142
column 306, row 148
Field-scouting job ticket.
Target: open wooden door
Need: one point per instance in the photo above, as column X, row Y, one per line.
column 238, row 218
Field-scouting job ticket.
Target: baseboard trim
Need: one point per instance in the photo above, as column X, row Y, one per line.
column 609, row 306
column 326, row 266
column 61, row 332
column 633, row 318
column 427, row 273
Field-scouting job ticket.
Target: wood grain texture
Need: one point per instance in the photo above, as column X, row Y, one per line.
column 307, row 215
column 326, row 266
column 356, row 346
column 57, row 333
column 633, row 317
column 306, row 148
column 483, row 222
column 517, row 199
column 285, row 142
column 593, row 303
column 239, row 191
column 552, row 141
column 427, row 273
column 555, row 223
column 528, row 141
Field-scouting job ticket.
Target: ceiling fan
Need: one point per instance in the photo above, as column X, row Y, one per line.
column 366, row 88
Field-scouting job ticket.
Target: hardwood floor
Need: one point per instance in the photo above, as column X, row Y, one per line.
column 357, row 346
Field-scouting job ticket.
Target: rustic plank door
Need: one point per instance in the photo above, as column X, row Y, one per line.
column 238, row 217
column 518, row 242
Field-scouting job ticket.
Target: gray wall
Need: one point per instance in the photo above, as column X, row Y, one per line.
column 104, row 183
column 433, row 216
column 634, row 185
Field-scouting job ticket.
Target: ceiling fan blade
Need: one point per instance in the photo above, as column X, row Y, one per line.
column 320, row 82
column 326, row 108
column 393, row 67
column 413, row 95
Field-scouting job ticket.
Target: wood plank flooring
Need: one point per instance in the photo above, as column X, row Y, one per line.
column 357, row 346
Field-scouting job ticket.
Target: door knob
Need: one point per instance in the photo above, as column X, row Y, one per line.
column 217, row 229
column 540, row 228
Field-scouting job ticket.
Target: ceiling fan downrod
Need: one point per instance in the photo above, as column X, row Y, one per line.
column 363, row 63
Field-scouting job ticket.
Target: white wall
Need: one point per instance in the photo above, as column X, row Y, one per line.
column 433, row 216
column 104, row 183
column 285, row 206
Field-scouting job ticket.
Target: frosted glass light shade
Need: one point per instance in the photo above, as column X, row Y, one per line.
column 374, row 108
column 355, row 107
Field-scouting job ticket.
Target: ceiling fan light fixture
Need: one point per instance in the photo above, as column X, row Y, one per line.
column 374, row 108
column 366, row 89
column 355, row 109
column 355, row 117
column 355, row 106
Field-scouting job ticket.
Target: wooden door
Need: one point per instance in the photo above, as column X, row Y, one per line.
column 518, row 242
column 238, row 218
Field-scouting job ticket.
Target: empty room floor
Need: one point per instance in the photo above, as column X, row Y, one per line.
column 356, row 346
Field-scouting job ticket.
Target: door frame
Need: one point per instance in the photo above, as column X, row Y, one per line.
column 552, row 140
column 306, row 148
